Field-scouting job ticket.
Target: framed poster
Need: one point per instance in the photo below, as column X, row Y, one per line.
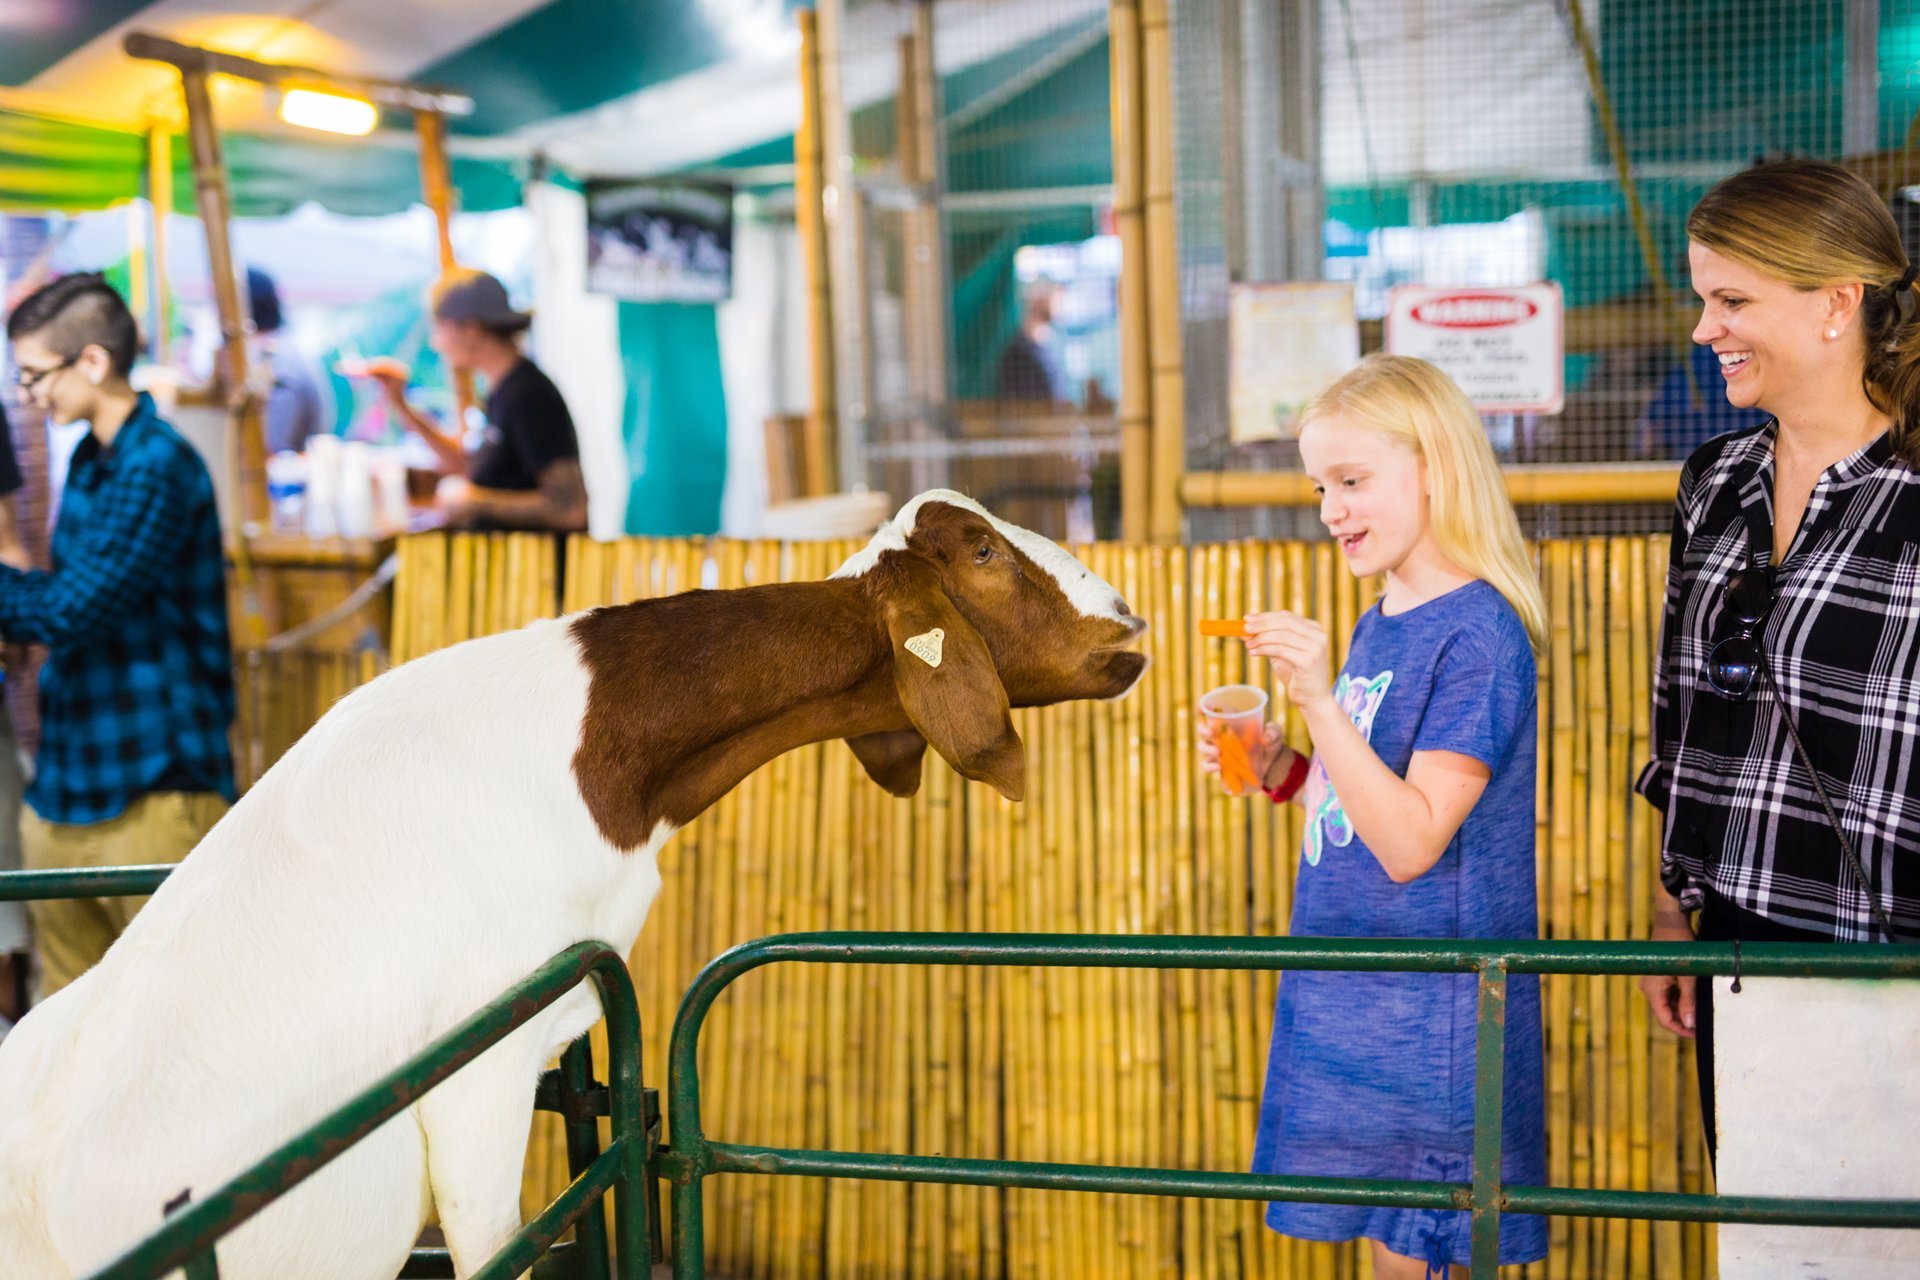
column 660, row 241
column 1287, row 342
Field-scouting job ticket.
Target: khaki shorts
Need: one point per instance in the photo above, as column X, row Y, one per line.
column 71, row 934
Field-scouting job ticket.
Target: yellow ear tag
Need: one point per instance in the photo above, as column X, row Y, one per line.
column 927, row 647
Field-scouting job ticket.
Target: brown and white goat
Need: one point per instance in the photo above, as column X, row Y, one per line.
column 444, row 830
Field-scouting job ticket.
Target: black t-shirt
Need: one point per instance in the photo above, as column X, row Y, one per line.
column 528, row 429
column 10, row 480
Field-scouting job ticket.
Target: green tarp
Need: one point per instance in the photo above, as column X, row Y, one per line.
column 675, row 418
column 57, row 165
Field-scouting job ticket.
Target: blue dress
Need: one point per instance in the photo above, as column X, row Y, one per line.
column 1371, row 1074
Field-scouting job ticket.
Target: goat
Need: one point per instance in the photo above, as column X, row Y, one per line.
column 449, row 826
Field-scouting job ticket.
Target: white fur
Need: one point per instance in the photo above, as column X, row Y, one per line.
column 1086, row 591
column 424, row 847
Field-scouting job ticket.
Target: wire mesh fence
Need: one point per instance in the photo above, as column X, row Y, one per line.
column 1502, row 142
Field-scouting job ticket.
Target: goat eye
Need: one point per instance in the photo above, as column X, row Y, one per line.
column 984, row 554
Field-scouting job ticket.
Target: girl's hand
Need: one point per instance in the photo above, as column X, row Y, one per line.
column 1262, row 756
column 1298, row 649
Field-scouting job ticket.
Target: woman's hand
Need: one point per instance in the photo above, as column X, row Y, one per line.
column 1670, row 994
column 1298, row 649
column 1262, row 755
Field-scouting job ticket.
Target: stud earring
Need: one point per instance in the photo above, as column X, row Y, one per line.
column 1832, row 334
column 94, row 377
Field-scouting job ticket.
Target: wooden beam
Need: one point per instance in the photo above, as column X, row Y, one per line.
column 246, row 441
column 436, row 188
column 811, row 226
column 386, row 93
column 160, row 196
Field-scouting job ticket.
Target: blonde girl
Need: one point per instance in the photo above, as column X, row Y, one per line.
column 1419, row 799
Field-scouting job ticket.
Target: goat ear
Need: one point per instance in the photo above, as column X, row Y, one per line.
column 892, row 759
column 947, row 683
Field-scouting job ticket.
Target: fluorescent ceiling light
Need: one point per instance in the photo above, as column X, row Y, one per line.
column 328, row 112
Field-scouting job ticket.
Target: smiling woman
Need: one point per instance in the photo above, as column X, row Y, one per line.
column 1787, row 692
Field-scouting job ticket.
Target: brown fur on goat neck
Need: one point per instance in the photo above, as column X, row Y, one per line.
column 690, row 693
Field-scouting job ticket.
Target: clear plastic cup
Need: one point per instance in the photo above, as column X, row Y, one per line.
column 1238, row 711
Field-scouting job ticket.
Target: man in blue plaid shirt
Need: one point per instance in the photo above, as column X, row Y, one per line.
column 136, row 698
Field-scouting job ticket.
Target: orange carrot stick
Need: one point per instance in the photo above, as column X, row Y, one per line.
column 1236, row 766
column 1223, row 628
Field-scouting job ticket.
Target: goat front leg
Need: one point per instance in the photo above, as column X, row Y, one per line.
column 476, row 1125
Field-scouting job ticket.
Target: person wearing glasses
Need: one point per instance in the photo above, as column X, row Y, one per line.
column 1786, row 731
column 136, row 698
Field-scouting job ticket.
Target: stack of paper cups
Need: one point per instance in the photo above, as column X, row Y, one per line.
column 356, row 490
column 390, row 483
column 323, row 486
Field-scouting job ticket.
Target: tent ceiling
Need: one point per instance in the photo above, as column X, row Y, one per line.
column 384, row 39
column 639, row 87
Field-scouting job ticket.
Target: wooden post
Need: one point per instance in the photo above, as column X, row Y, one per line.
column 1169, row 430
column 160, row 196
column 842, row 201
column 810, row 219
column 1136, row 367
column 436, row 188
column 246, row 441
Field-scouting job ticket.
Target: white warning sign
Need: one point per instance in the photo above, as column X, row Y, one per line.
column 1504, row 346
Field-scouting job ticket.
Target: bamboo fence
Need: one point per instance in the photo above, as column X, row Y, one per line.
column 1119, row 834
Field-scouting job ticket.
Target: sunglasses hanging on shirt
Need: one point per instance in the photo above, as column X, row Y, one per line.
column 1739, row 662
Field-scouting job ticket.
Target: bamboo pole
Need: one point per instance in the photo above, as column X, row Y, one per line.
column 160, row 196
column 1531, row 485
column 1129, row 219
column 810, row 216
column 246, row 443
column 436, row 190
column 1168, row 429
column 1559, row 717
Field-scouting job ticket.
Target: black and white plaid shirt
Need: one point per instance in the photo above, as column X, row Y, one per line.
column 1843, row 645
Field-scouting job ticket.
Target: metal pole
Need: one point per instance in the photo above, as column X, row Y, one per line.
column 930, row 247
column 1859, row 125
column 583, row 1148
column 1489, row 1100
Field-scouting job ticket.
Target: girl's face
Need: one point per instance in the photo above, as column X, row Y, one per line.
column 1373, row 492
column 1771, row 338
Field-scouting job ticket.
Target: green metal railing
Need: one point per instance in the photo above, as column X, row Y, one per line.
column 693, row 1157
column 192, row 1228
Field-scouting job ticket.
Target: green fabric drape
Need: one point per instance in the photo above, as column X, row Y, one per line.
column 675, row 418
column 48, row 165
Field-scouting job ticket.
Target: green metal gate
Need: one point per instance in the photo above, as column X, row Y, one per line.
column 693, row 1157
column 194, row 1227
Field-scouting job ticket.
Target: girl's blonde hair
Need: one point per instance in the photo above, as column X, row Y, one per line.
column 1413, row 403
column 1814, row 225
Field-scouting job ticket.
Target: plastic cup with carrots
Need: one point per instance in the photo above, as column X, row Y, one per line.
column 1236, row 714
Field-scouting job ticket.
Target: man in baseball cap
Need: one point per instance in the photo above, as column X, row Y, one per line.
column 526, row 472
